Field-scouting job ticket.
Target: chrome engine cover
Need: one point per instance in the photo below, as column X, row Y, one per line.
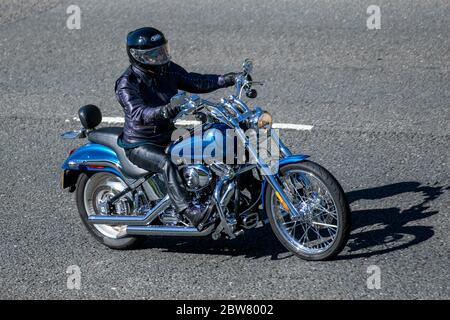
column 169, row 217
column 196, row 176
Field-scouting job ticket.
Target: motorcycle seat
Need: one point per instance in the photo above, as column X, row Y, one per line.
column 108, row 137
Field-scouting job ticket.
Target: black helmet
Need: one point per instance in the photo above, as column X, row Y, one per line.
column 148, row 48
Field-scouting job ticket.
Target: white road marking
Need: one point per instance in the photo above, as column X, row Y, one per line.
column 292, row 126
column 287, row 126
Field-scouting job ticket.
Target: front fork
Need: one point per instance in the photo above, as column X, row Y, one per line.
column 284, row 151
column 272, row 178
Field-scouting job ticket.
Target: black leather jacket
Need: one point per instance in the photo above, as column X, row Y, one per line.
column 141, row 97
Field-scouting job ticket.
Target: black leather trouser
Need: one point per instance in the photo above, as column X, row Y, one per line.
column 152, row 158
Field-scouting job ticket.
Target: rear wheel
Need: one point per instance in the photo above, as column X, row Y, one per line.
column 92, row 192
column 324, row 226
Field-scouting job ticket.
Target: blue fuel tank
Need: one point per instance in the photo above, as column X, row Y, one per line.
column 211, row 141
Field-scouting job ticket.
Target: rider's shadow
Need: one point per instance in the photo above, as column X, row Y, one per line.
column 374, row 231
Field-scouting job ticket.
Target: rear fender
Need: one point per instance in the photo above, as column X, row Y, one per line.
column 90, row 157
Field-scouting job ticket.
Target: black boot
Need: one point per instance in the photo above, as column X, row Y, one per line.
column 195, row 214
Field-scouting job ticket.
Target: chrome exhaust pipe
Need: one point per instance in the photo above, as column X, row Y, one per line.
column 167, row 231
column 117, row 220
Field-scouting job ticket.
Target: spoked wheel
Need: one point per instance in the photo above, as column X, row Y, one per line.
column 324, row 224
column 93, row 192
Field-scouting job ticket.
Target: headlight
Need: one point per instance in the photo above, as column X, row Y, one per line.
column 260, row 120
column 265, row 121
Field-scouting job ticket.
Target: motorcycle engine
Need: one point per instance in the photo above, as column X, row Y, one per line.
column 169, row 217
column 196, row 177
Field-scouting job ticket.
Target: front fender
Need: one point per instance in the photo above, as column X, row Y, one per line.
column 292, row 159
column 285, row 161
column 93, row 157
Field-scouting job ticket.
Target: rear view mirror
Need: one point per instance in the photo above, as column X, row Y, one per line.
column 247, row 66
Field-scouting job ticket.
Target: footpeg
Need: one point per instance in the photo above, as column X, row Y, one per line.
column 239, row 233
column 250, row 220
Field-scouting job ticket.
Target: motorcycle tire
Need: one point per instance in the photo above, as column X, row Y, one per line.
column 341, row 204
column 124, row 243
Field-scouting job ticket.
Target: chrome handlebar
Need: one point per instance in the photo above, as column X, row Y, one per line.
column 230, row 111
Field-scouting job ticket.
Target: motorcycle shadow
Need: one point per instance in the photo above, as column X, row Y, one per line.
column 254, row 244
column 374, row 231
column 384, row 230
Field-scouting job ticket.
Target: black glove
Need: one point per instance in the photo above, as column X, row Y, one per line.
column 168, row 111
column 228, row 79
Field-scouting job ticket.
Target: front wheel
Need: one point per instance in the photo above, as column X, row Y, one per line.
column 324, row 226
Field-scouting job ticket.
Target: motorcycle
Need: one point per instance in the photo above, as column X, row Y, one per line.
column 120, row 204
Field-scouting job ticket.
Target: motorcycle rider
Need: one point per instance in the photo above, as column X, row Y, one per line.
column 144, row 91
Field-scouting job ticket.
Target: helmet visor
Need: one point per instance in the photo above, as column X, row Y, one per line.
column 155, row 56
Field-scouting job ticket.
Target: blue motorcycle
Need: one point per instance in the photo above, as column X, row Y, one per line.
column 255, row 181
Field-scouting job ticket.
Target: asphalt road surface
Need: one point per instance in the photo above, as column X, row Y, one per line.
column 378, row 101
